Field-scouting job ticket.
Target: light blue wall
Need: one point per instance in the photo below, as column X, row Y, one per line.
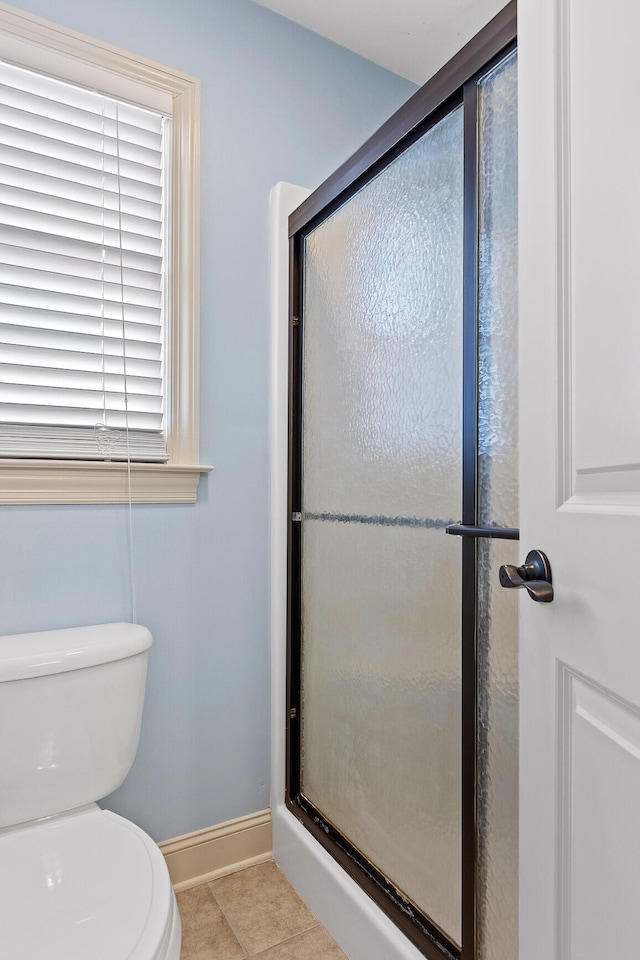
column 278, row 103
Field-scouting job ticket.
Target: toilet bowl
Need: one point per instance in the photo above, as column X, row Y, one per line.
column 76, row 882
column 85, row 886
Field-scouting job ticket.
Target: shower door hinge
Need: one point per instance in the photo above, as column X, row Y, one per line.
column 295, row 321
column 296, row 517
column 293, row 713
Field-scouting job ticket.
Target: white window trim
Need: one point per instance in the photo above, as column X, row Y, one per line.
column 31, row 41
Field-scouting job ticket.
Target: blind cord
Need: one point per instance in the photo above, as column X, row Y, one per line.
column 132, row 578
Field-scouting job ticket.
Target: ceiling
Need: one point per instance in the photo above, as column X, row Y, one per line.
column 412, row 38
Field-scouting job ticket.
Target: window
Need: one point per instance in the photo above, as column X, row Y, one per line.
column 99, row 271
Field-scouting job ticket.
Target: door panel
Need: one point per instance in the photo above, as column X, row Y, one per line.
column 382, row 355
column 382, row 373
column 381, row 701
column 599, row 732
column 580, row 483
column 599, row 179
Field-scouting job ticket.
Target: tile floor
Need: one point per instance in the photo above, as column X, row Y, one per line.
column 255, row 913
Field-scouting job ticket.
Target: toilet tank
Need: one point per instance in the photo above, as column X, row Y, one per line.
column 70, row 713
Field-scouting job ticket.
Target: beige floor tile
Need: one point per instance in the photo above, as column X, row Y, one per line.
column 206, row 935
column 262, row 907
column 315, row 944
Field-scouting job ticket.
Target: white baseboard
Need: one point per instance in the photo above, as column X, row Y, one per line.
column 217, row 851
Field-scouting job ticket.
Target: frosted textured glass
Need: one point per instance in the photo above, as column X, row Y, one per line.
column 498, row 501
column 382, row 322
column 497, row 755
column 381, row 702
column 498, row 296
column 382, row 328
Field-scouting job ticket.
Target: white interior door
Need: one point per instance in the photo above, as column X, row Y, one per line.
column 580, row 478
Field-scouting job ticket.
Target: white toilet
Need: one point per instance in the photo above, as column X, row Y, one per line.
column 76, row 882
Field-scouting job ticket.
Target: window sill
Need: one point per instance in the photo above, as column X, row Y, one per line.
column 90, row 481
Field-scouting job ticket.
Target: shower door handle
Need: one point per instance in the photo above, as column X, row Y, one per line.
column 534, row 574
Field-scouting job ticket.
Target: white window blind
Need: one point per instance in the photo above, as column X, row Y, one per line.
column 81, row 273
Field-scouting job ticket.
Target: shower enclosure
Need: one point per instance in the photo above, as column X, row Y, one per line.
column 402, row 688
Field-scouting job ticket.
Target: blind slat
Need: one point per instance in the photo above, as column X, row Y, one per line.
column 98, row 269
column 34, row 242
column 54, row 359
column 61, row 91
column 50, row 149
column 77, row 210
column 32, row 279
column 100, row 117
column 103, row 195
column 77, row 230
column 29, row 375
column 79, row 342
column 48, row 415
column 12, row 295
column 28, row 394
column 18, row 314
column 75, row 173
column 82, row 137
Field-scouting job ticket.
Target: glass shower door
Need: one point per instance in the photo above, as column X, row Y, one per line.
column 381, row 480
column 402, row 691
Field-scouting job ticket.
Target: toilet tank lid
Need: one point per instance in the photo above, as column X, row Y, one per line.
column 26, row 655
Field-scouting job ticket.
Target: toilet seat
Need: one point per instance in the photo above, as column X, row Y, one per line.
column 87, row 884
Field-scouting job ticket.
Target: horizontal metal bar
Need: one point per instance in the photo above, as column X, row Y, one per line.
column 381, row 521
column 497, row 533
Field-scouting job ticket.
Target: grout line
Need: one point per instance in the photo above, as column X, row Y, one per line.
column 253, row 956
column 245, row 952
column 216, row 902
column 228, row 919
column 280, row 943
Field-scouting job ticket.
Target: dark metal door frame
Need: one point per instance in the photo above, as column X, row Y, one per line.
column 456, row 83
